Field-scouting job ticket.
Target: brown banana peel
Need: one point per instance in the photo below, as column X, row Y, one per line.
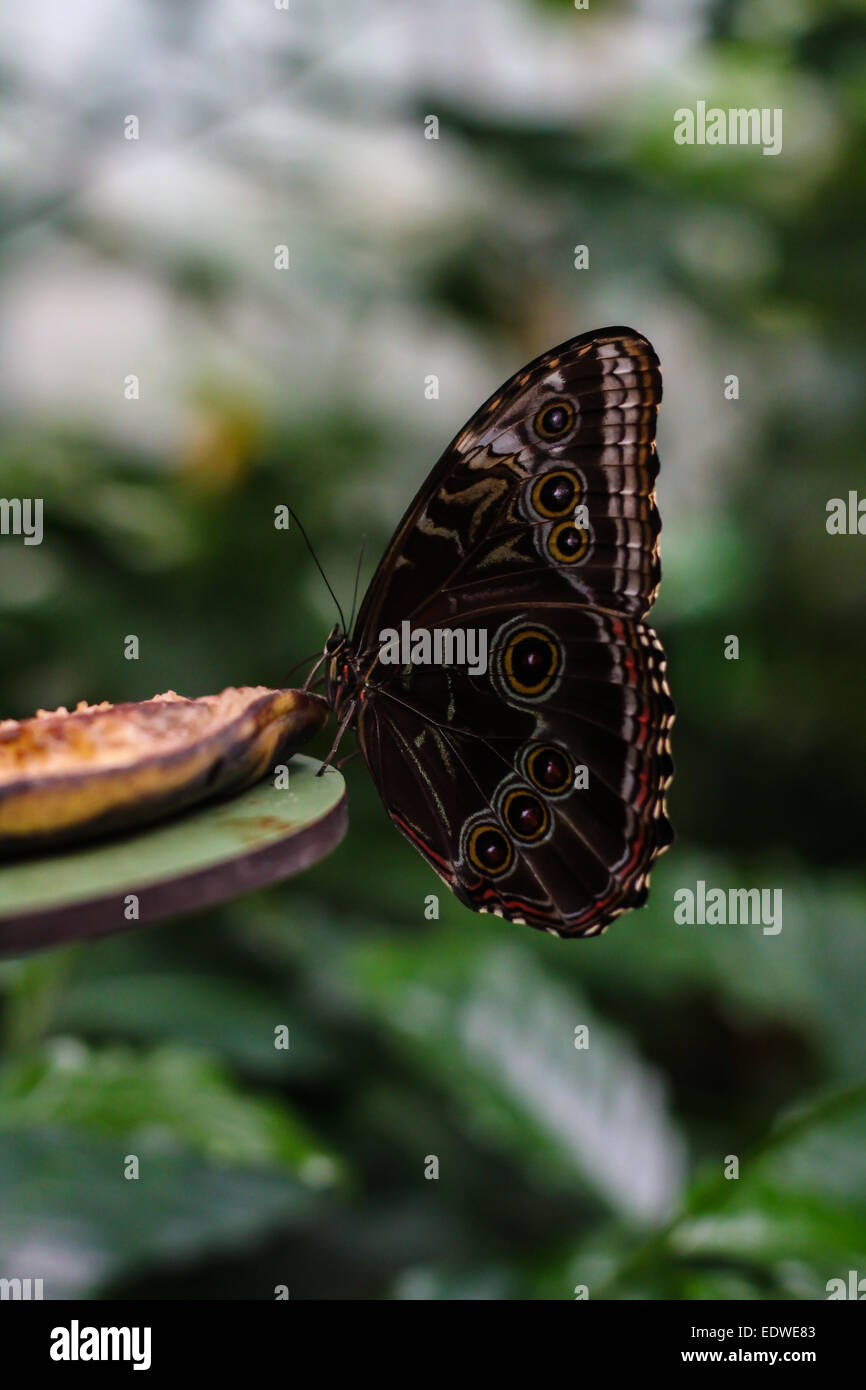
column 66, row 777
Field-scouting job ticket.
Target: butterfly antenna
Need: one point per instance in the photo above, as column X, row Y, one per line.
column 318, row 566
column 357, row 577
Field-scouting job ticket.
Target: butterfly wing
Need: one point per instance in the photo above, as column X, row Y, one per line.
column 575, row 428
column 534, row 789
column 538, row 529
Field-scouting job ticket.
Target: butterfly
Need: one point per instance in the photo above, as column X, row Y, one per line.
column 508, row 699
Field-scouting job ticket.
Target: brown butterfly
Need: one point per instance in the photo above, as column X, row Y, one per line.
column 508, row 699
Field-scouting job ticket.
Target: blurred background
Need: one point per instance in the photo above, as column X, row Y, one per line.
column 154, row 257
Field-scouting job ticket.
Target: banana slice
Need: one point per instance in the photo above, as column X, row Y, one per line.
column 102, row 768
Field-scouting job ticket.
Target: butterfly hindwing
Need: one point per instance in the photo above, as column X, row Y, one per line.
column 536, row 789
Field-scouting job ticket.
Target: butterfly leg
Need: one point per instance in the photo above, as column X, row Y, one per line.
column 344, row 724
column 308, row 681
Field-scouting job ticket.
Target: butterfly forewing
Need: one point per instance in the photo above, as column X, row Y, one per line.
column 533, row 780
column 502, row 501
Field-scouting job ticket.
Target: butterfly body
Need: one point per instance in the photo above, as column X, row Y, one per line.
column 509, row 701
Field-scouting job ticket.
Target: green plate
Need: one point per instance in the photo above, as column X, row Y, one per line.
column 204, row 857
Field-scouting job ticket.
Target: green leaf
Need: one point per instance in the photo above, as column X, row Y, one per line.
column 793, row 1219
column 169, row 1098
column 71, row 1218
column 231, row 1017
column 491, row 1027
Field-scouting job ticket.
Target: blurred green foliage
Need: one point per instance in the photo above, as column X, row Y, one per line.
column 455, row 1038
